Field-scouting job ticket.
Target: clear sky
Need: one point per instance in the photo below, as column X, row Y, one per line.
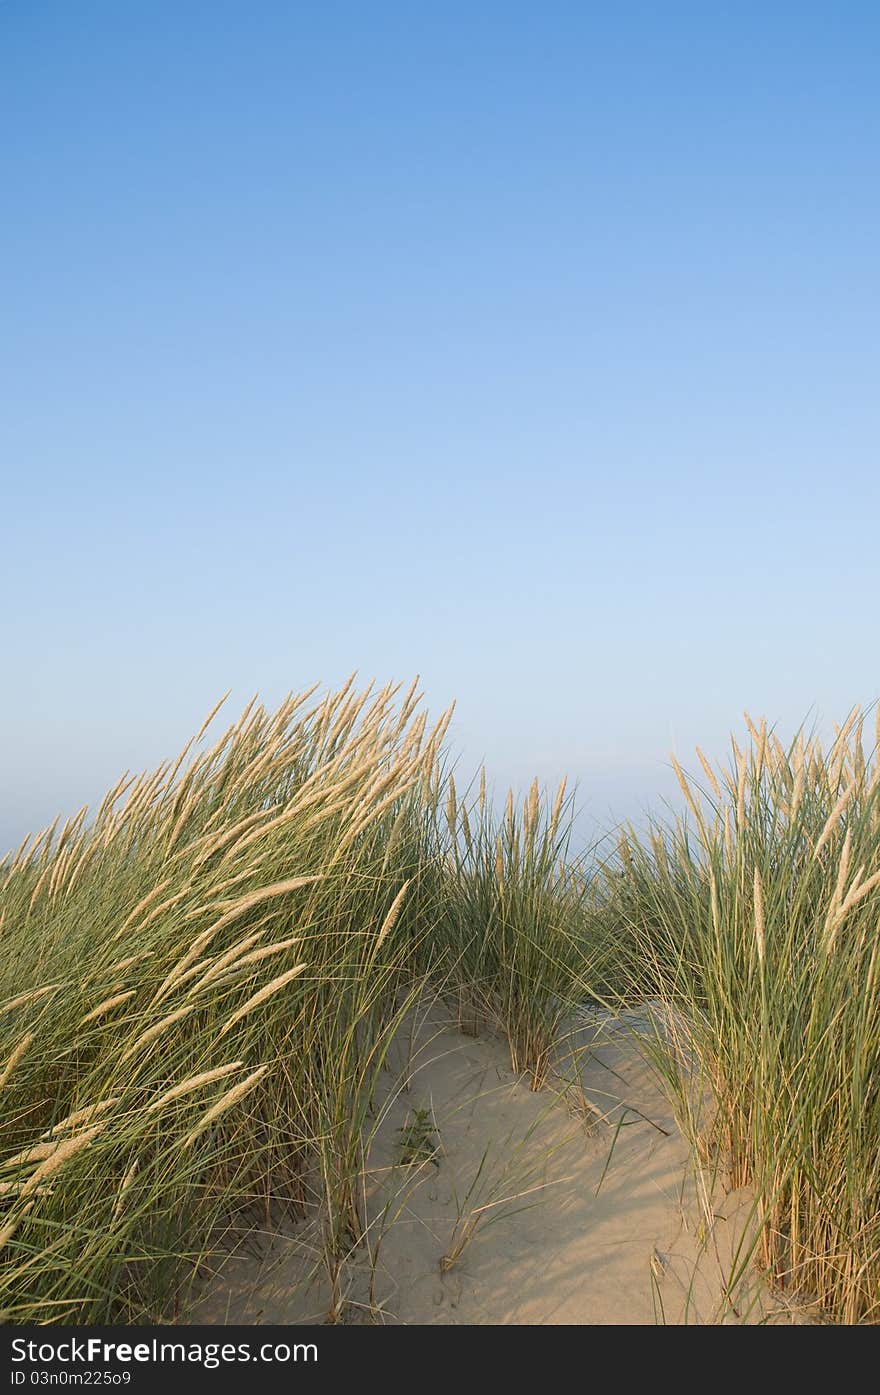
column 529, row 347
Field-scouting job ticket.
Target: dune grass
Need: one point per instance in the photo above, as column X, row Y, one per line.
column 524, row 952
column 753, row 923
column 202, row 982
column 196, row 992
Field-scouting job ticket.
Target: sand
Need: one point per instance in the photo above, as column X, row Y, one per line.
column 579, row 1204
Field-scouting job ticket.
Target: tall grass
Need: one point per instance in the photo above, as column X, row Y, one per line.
column 755, row 920
column 200, row 986
column 196, row 991
column 517, row 919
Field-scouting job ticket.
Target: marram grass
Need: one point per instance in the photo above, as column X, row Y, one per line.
column 200, row 986
column 194, row 989
column 756, row 920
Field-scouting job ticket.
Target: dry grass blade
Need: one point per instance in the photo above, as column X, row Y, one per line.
column 224, row 1104
column 261, row 996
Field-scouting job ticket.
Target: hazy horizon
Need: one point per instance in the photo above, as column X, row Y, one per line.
column 533, row 350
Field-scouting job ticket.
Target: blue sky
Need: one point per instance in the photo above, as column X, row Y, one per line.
column 531, row 348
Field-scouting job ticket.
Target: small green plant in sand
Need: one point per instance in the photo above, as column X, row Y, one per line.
column 418, row 1140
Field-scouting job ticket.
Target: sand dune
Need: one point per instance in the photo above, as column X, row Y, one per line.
column 579, row 1204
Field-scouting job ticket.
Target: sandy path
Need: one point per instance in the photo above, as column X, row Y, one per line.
column 571, row 1229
